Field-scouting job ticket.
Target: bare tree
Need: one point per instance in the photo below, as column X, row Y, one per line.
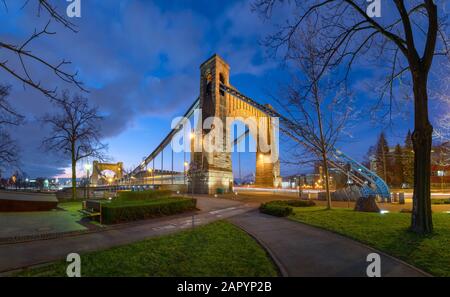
column 8, row 150
column 322, row 113
column 75, row 132
column 442, row 94
column 406, row 39
column 25, row 57
column 8, row 117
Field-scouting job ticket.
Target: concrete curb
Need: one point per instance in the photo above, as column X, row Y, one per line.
column 426, row 274
column 56, row 235
column 281, row 269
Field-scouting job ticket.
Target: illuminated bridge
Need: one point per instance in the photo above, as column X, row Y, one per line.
column 208, row 172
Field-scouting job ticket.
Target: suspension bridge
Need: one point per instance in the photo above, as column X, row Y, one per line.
column 210, row 172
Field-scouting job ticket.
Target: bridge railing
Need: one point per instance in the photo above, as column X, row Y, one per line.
column 369, row 181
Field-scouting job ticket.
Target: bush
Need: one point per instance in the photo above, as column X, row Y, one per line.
column 283, row 208
column 143, row 195
column 294, row 203
column 440, row 201
column 274, row 209
column 128, row 211
column 301, row 203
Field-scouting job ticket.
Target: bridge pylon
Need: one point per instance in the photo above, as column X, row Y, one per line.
column 98, row 167
column 210, row 171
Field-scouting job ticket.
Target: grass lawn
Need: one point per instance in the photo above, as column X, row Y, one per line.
column 388, row 233
column 216, row 249
column 72, row 206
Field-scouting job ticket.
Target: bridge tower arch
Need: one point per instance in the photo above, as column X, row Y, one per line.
column 210, row 171
column 98, row 167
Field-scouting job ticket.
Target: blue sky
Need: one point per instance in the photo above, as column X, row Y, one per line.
column 140, row 61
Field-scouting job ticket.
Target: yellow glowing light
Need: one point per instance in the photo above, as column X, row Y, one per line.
column 192, row 135
column 186, row 164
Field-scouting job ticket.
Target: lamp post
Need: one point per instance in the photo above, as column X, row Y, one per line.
column 88, row 168
column 186, row 164
column 150, row 170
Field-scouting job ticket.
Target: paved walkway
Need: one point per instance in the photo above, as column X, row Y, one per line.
column 19, row 255
column 298, row 249
column 302, row 250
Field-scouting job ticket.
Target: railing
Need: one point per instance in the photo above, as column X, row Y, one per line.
column 370, row 182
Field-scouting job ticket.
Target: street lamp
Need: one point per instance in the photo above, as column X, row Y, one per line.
column 88, row 168
column 186, row 165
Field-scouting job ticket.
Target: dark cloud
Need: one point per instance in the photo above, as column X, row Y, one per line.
column 137, row 59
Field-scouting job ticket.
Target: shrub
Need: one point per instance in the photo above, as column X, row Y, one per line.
column 274, row 209
column 301, row 203
column 128, row 211
column 294, row 203
column 143, row 195
column 440, row 201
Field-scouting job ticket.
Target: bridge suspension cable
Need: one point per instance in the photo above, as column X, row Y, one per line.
column 166, row 141
column 370, row 182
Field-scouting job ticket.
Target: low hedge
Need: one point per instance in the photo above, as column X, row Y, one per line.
column 128, row 211
column 142, row 195
column 294, row 203
column 278, row 210
column 283, row 208
column 440, row 201
column 300, row 203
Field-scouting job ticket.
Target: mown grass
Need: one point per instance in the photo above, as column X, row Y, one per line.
column 389, row 233
column 216, row 249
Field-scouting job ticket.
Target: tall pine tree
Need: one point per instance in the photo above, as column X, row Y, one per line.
column 408, row 160
column 382, row 158
column 397, row 167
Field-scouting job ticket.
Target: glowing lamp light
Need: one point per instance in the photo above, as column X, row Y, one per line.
column 186, row 164
column 383, row 211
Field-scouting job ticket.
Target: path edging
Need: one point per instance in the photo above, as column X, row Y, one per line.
column 271, row 254
column 366, row 246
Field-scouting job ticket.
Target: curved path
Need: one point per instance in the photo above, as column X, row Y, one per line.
column 14, row 256
column 302, row 250
column 298, row 249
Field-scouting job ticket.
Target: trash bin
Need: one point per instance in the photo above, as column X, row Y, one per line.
column 401, row 198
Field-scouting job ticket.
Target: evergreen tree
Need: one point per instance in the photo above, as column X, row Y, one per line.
column 382, row 158
column 397, row 168
column 408, row 160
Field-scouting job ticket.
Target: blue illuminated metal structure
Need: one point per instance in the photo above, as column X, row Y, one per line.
column 369, row 182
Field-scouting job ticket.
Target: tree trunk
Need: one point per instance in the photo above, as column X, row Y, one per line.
column 323, row 146
column 421, row 219
column 74, row 176
column 327, row 180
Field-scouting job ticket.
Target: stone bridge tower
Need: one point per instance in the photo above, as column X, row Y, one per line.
column 97, row 169
column 210, row 171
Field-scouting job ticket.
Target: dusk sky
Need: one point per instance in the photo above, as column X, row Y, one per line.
column 140, row 62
